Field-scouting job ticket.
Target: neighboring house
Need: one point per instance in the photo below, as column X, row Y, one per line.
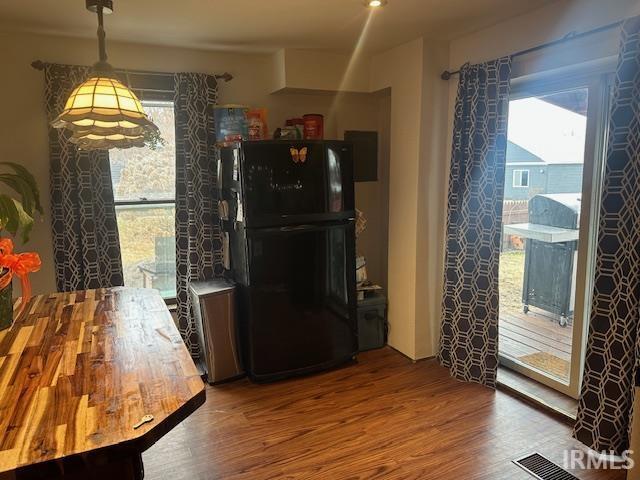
column 527, row 175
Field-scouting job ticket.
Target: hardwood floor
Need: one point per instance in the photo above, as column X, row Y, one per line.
column 384, row 417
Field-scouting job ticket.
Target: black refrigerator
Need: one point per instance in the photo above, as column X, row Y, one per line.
column 291, row 235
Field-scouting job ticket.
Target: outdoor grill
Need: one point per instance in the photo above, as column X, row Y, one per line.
column 551, row 244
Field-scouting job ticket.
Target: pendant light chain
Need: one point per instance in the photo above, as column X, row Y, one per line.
column 102, row 48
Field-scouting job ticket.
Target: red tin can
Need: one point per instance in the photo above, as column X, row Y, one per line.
column 313, row 126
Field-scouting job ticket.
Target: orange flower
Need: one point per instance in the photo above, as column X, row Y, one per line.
column 21, row 265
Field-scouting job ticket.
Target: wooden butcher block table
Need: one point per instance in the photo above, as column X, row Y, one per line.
column 78, row 371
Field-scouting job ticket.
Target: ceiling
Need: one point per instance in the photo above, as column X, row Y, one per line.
column 259, row 25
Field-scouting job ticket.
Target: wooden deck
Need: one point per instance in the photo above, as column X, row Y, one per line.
column 522, row 335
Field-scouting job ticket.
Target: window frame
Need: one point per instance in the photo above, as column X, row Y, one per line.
column 599, row 84
column 156, row 100
column 520, row 172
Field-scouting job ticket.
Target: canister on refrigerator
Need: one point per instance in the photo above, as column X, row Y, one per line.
column 313, row 126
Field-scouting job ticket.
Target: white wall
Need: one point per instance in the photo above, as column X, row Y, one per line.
column 432, row 200
column 321, row 70
column 400, row 69
column 416, row 191
column 540, row 26
column 23, row 127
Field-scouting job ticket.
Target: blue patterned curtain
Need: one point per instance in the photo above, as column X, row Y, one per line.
column 613, row 348
column 198, row 240
column 469, row 333
column 86, row 244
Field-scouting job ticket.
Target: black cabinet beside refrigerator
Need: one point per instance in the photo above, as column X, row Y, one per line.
column 292, row 249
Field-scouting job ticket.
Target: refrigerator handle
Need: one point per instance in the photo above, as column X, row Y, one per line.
column 302, row 227
column 296, row 228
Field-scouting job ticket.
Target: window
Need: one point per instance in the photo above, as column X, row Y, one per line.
column 521, row 178
column 549, row 238
column 144, row 193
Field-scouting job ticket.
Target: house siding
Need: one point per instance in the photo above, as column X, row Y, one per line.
column 565, row 178
column 545, row 178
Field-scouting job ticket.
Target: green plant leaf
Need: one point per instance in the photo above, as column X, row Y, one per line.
column 8, row 214
column 25, row 221
column 13, row 217
column 22, row 187
column 17, row 216
column 25, row 175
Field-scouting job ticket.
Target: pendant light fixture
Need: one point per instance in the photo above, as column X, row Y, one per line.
column 103, row 113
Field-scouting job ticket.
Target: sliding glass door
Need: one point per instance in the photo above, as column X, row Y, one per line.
column 552, row 183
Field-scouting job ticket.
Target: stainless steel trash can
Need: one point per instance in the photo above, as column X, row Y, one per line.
column 214, row 309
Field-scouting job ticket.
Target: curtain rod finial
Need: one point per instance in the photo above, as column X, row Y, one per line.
column 446, row 75
column 38, row 64
column 226, row 76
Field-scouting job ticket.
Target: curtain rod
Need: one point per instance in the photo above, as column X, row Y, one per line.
column 226, row 76
column 446, row 75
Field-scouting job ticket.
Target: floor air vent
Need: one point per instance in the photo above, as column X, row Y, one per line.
column 542, row 468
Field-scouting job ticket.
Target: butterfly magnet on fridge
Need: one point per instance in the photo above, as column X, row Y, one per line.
column 298, row 156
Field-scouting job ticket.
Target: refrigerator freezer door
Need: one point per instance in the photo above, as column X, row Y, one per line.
column 301, row 298
column 296, row 182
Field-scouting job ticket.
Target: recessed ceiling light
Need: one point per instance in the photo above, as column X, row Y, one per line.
column 375, row 3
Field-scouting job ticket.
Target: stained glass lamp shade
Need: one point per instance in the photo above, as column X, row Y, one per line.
column 103, row 113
